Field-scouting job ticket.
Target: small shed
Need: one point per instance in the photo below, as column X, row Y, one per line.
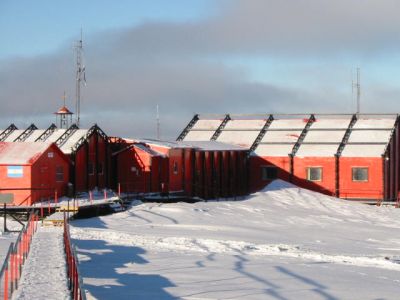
column 32, row 171
column 139, row 169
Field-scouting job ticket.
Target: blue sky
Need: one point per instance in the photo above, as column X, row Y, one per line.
column 198, row 56
column 30, row 28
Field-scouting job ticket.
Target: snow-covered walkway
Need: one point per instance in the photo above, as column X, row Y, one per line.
column 44, row 274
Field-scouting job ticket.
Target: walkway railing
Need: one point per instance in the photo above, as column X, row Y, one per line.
column 15, row 259
column 75, row 280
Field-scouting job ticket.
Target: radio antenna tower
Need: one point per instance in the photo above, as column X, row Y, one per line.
column 80, row 77
column 357, row 86
column 158, row 123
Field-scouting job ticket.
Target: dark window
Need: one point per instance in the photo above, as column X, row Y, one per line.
column 360, row 174
column 314, row 174
column 100, row 169
column 91, row 168
column 269, row 173
column 175, row 167
column 59, row 174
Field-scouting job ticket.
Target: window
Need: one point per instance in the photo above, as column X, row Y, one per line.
column 91, row 168
column 359, row 174
column 314, row 174
column 269, row 173
column 59, row 174
column 175, row 168
column 100, row 169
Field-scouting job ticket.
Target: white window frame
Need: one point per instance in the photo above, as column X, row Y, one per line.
column 352, row 174
column 308, row 173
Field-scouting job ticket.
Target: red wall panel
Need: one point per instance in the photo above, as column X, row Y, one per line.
column 372, row 189
column 328, row 181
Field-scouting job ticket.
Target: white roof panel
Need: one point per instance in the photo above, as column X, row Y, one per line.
column 375, row 123
column 317, row 150
column 199, row 135
column 314, row 136
column 363, row 150
column 273, row 150
column 240, row 138
column 287, row 136
column 374, row 136
column 245, row 124
column 72, row 140
column 288, row 124
column 338, row 123
column 207, row 124
column 16, row 133
column 212, row 145
column 56, row 135
column 34, row 135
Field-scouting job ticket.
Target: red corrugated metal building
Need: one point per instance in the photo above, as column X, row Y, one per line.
column 205, row 170
column 87, row 149
column 139, row 169
column 351, row 156
column 32, row 171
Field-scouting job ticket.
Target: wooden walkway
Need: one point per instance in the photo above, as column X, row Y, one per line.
column 44, row 275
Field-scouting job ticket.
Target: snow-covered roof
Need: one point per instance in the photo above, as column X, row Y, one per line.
column 72, row 140
column 34, row 135
column 241, row 132
column 207, row 124
column 280, row 137
column 199, row 135
column 21, row 153
column 323, row 138
column 203, row 130
column 55, row 135
column 212, row 145
column 16, row 133
column 369, row 137
column 241, row 138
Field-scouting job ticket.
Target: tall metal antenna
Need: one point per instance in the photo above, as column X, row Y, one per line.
column 357, row 85
column 80, row 77
column 158, row 123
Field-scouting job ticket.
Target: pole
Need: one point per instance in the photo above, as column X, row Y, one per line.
column 5, row 217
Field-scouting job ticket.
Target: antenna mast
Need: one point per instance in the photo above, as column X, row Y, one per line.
column 80, row 76
column 158, row 123
column 357, row 85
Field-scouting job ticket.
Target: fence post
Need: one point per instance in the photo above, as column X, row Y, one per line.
column 6, row 284
column 55, row 197
column 119, row 189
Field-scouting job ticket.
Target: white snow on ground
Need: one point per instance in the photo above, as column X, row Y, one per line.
column 44, row 274
column 6, row 238
column 281, row 243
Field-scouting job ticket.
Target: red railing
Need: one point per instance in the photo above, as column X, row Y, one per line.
column 74, row 278
column 15, row 259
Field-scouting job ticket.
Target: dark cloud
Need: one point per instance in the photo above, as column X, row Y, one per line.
column 180, row 66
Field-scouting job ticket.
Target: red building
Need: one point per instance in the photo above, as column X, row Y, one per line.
column 87, row 149
column 140, row 169
column 195, row 169
column 350, row 156
column 32, row 171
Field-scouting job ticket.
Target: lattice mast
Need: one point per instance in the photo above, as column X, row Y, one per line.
column 80, row 77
